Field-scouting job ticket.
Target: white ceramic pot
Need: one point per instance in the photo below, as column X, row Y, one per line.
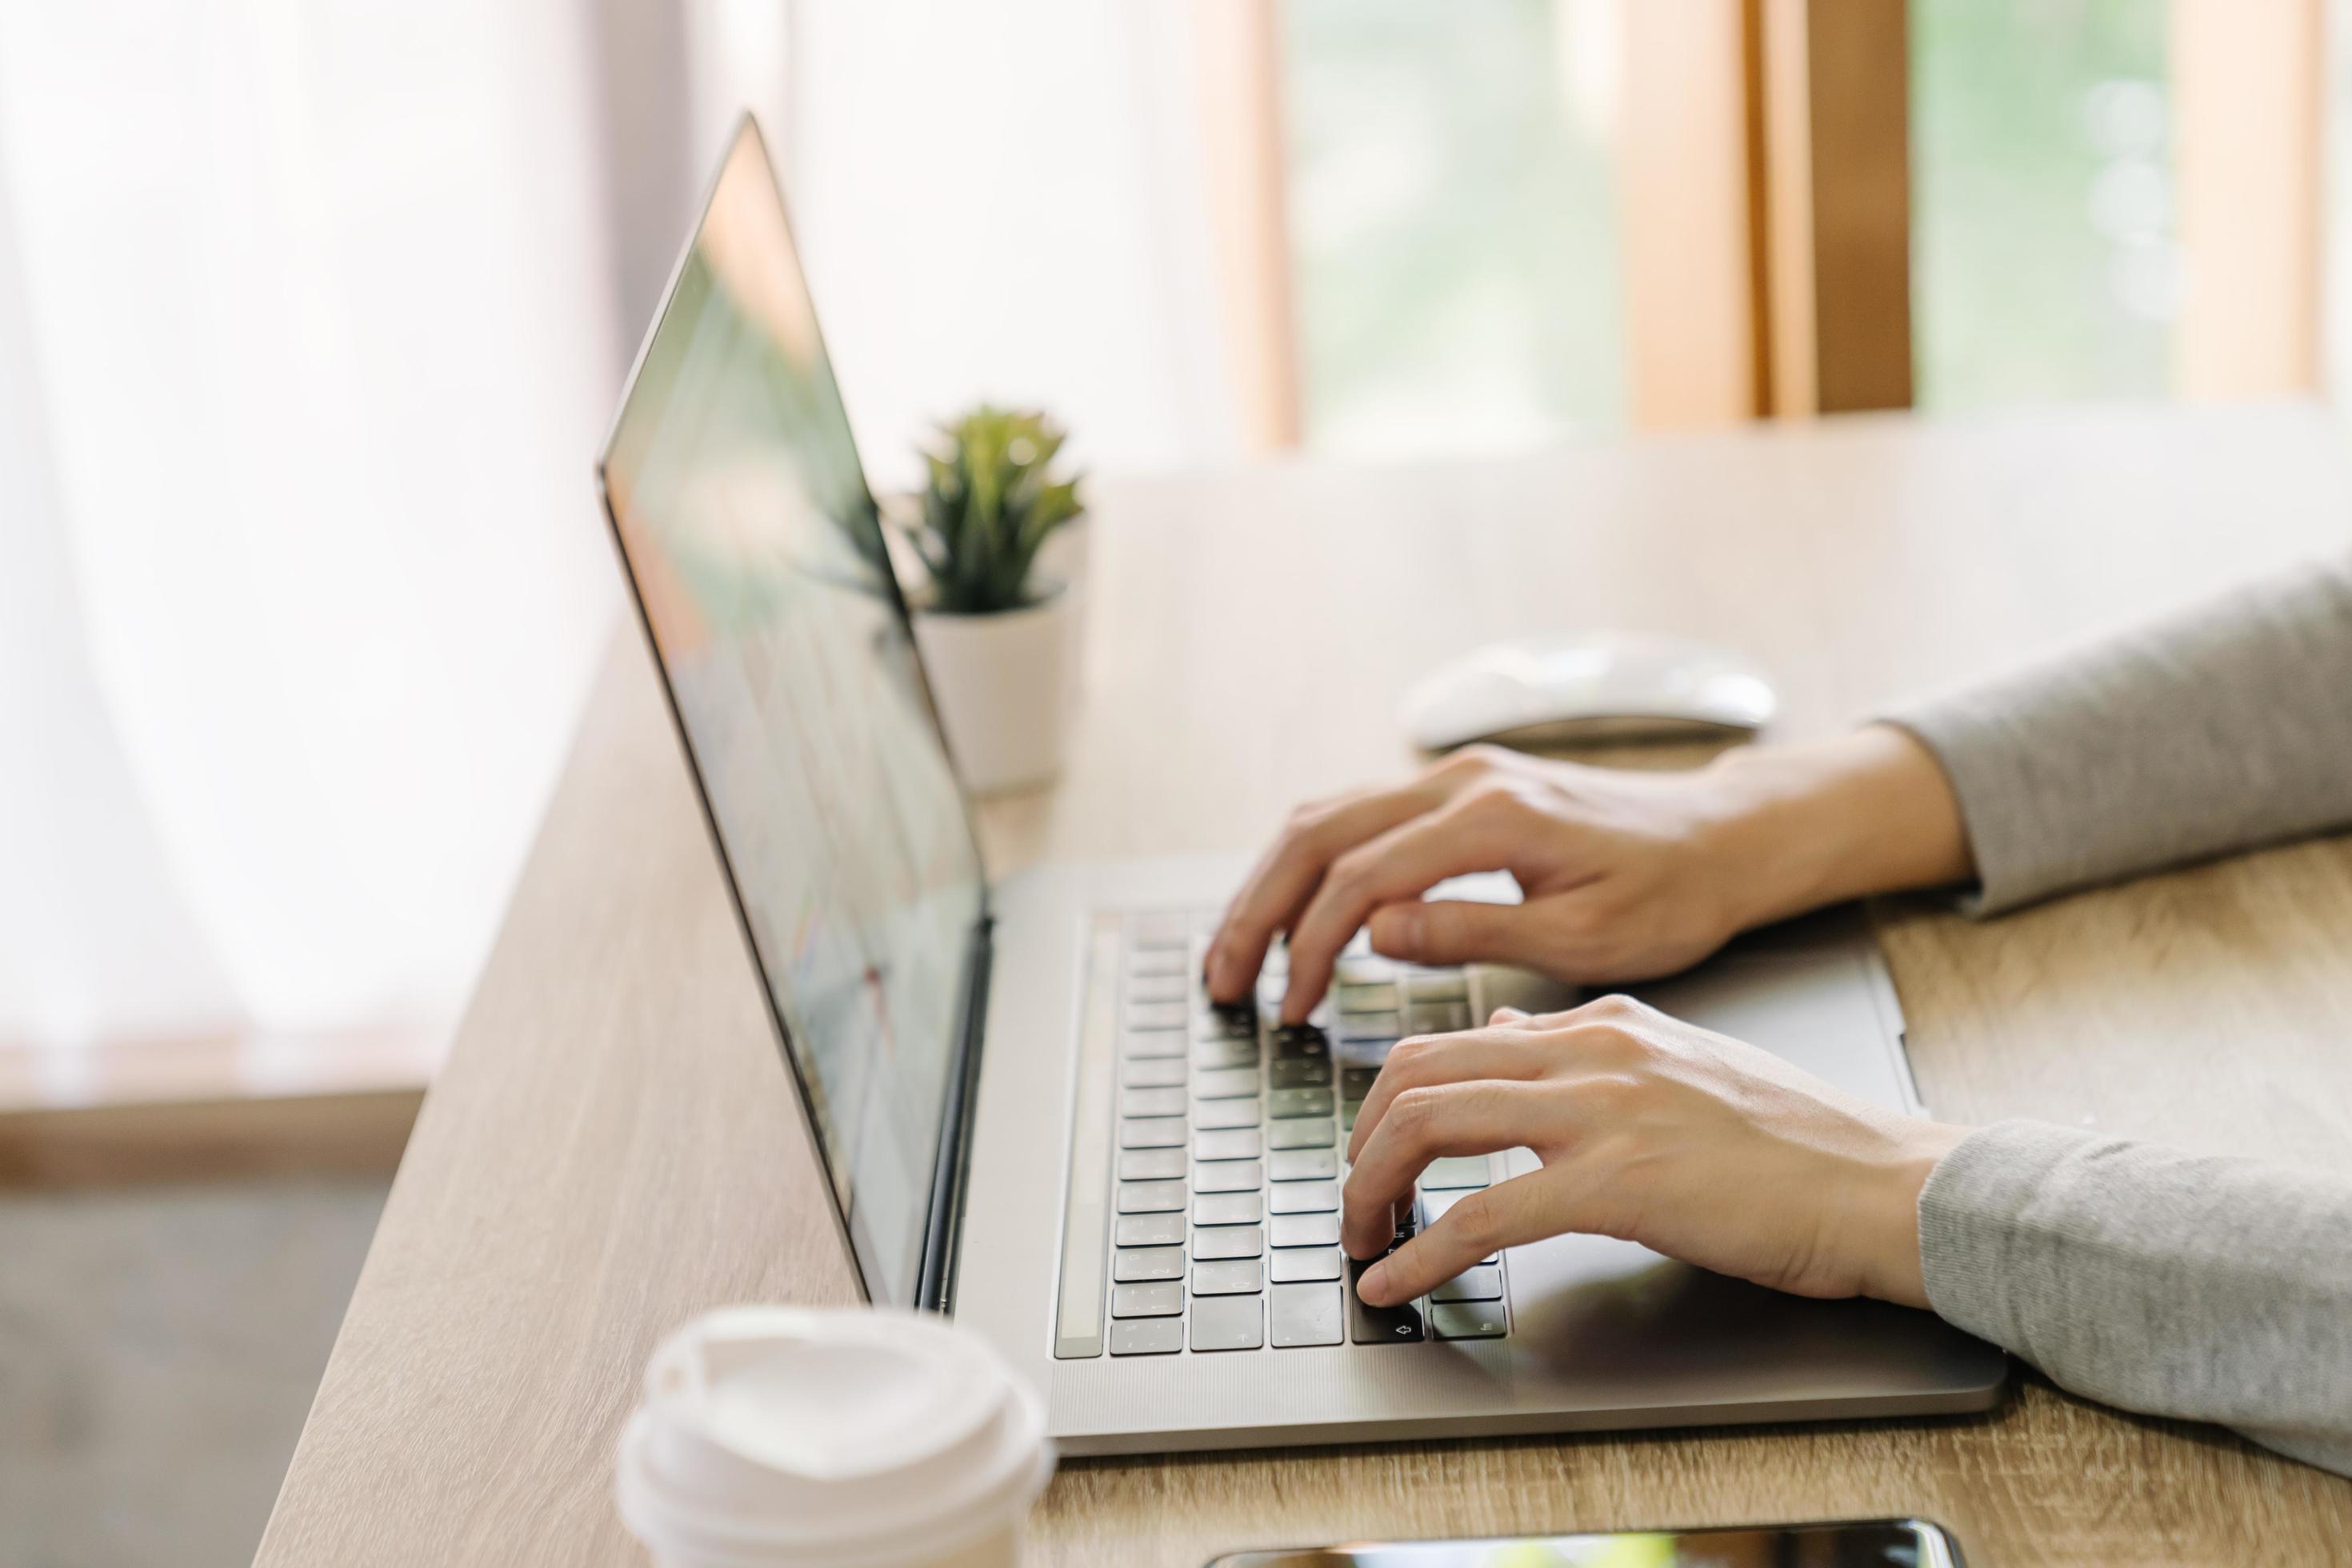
column 1062, row 559
column 1003, row 686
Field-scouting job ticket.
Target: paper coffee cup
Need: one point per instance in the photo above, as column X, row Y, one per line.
column 775, row 1436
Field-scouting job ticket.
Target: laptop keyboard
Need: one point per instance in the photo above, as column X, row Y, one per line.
column 1231, row 1139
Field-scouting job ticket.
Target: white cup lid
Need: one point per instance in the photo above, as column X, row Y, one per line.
column 786, row 1435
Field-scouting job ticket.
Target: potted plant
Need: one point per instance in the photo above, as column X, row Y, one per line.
column 998, row 637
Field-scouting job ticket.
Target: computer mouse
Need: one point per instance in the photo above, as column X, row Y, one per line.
column 1610, row 686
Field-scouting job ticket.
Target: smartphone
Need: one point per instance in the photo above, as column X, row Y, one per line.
column 1848, row 1544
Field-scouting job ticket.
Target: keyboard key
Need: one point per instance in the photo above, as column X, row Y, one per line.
column 1363, row 969
column 1156, row 961
column 1151, row 1197
column 1467, row 1319
column 1298, row 1102
column 1357, row 1082
column 1156, row 930
column 1436, row 1017
column 1226, row 1208
column 1433, row 1205
column 1437, row 985
column 1371, row 1325
column 1303, row 1165
column 1216, row 1114
column 1150, row 1164
column 1347, row 1114
column 1460, row 1171
column 1229, row 1177
column 1156, row 1015
column 1483, row 1283
column 1373, row 1030
column 1304, row 1315
column 1167, row 986
column 1131, row 1263
column 1226, row 1143
column 1305, row 1197
column 1155, row 1045
column 1229, row 1277
column 1150, row 1231
column 1151, row 1132
column 1297, row 1073
column 1228, row 1323
column 1229, row 1241
column 1217, row 1054
column 1296, row 1263
column 1372, row 996
column 1300, row 1132
column 1303, row 1230
column 1226, row 1083
column 1300, row 1041
column 1152, row 1103
column 1220, row 1022
column 1152, row 1072
column 1161, row 1298
column 1146, row 1336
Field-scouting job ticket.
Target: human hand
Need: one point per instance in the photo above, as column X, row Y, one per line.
column 1649, row 1130
column 1623, row 875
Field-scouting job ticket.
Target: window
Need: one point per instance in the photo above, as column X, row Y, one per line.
column 1454, row 228
column 2046, row 261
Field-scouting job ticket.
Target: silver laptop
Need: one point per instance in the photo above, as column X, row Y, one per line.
column 1029, row 1113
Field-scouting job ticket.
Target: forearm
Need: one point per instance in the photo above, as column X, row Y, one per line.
column 2213, row 731
column 2215, row 1289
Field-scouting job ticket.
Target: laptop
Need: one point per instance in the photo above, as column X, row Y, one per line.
column 1030, row 1117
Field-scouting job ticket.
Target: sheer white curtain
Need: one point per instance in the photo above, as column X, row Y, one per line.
column 304, row 306
column 311, row 314
column 1002, row 200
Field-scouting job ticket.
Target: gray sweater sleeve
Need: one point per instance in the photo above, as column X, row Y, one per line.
column 2216, row 730
column 2177, row 1284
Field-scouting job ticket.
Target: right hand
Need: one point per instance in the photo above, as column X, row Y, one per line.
column 1649, row 1129
column 1623, row 875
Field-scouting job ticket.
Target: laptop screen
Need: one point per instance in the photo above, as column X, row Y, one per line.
column 757, row 557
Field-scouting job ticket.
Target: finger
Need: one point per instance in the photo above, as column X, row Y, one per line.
column 1511, row 1214
column 1539, row 934
column 1288, row 874
column 1429, row 1062
column 1401, row 863
column 1421, row 1125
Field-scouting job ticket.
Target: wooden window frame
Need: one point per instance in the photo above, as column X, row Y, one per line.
column 1766, row 204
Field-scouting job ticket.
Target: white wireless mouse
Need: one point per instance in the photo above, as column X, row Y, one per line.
column 1605, row 687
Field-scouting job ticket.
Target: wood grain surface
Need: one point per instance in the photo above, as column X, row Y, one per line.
column 612, row 1145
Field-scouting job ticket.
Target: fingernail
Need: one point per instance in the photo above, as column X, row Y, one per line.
column 1374, row 1285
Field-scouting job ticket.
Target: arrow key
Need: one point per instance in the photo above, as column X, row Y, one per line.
column 1370, row 1325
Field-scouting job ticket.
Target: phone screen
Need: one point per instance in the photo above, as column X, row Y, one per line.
column 1867, row 1543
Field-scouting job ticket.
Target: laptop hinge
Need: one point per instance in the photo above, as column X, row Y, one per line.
column 952, row 1168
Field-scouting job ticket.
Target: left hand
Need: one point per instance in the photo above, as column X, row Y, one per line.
column 1649, row 1130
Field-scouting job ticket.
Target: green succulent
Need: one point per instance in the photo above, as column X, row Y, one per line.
column 991, row 505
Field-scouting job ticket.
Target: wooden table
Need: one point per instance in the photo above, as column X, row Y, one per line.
column 611, row 1147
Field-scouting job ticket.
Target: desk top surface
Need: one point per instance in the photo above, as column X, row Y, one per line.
column 612, row 1145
